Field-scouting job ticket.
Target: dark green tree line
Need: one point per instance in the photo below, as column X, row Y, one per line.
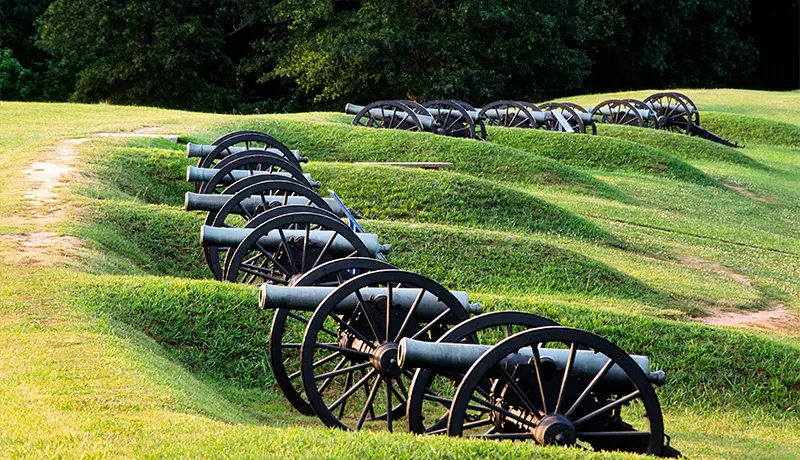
column 223, row 55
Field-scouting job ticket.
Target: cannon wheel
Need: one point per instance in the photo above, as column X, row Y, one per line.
column 672, row 112
column 487, row 329
column 345, row 357
column 389, row 119
column 250, row 141
column 224, row 138
column 649, row 122
column 618, row 112
column 569, row 114
column 288, row 326
column 511, row 114
column 581, row 109
column 453, row 119
column 691, row 105
column 252, row 263
column 254, row 161
column 543, row 396
column 265, row 188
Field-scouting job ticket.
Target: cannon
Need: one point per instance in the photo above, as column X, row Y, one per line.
column 233, row 143
column 284, row 242
column 444, row 117
column 225, row 178
column 239, row 165
column 545, row 383
column 678, row 113
column 348, row 353
column 241, row 203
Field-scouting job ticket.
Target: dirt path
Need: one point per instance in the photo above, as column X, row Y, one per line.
column 48, row 248
column 777, row 318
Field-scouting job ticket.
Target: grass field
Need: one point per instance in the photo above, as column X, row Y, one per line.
column 115, row 342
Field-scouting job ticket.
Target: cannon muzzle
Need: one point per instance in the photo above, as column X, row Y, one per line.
column 226, row 237
column 213, row 203
column 195, row 174
column 458, row 357
column 201, row 150
column 307, row 298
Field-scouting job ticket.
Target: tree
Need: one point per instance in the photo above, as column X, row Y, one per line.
column 168, row 53
column 359, row 51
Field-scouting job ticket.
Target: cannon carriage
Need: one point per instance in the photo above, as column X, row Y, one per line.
column 361, row 344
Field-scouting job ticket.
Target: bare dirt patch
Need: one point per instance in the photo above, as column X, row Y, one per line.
column 710, row 265
column 777, row 318
column 749, row 194
column 37, row 249
column 47, row 248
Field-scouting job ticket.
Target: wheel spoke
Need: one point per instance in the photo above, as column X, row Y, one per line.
column 567, row 370
column 352, row 390
column 491, row 406
column 388, row 314
column 600, row 374
column 430, row 325
column 345, row 370
column 330, row 346
column 325, row 248
column 607, row 407
column 368, row 405
column 351, row 330
column 536, row 361
column 515, row 386
column 409, row 315
column 363, row 305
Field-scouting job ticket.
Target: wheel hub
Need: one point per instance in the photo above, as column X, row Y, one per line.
column 555, row 429
column 384, row 358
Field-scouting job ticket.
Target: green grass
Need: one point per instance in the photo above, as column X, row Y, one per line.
column 599, row 152
column 339, row 142
column 687, row 148
column 630, row 234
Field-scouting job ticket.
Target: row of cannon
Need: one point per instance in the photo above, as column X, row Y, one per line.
column 670, row 111
column 362, row 344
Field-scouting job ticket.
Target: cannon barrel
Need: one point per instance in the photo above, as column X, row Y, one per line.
column 213, row 203
column 474, row 114
column 307, row 298
column 195, row 174
column 231, row 237
column 458, row 357
column 201, row 150
column 645, row 114
column 539, row 117
column 429, row 123
column 676, row 107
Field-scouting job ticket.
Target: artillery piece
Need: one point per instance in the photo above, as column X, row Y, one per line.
column 371, row 344
column 448, row 118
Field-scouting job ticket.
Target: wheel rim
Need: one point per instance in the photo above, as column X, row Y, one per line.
column 254, row 163
column 577, row 406
column 454, row 120
column 510, row 114
column 249, row 141
column 424, row 403
column 288, row 326
column 349, row 400
column 252, row 263
column 232, row 214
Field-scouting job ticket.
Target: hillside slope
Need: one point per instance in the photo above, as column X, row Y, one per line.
column 115, row 342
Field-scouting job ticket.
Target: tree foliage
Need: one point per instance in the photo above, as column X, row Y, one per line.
column 222, row 55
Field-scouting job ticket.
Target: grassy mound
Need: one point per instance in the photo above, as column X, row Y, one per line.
column 503, row 263
column 153, row 239
column 706, row 367
column 598, row 152
column 382, row 192
column 151, row 170
column 216, row 329
column 751, row 130
column 339, row 142
column 688, row 148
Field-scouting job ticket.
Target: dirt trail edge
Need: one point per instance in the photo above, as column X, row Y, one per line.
column 48, row 248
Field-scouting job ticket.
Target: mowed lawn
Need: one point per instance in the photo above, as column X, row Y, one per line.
column 118, row 344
